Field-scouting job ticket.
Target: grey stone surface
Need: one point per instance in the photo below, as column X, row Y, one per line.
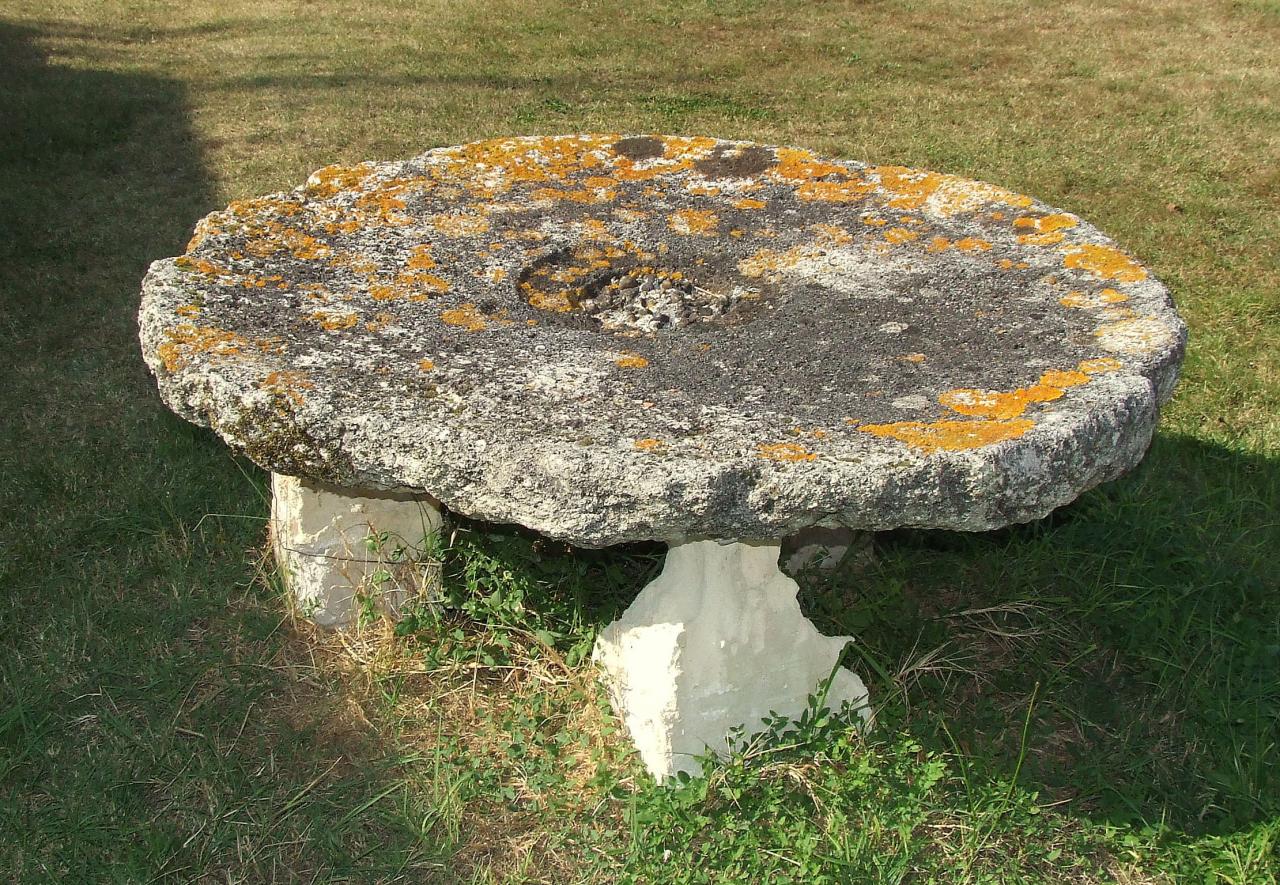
column 610, row 338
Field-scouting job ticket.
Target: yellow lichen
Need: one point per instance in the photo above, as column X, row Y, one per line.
column 460, row 224
column 289, row 384
column 631, row 361
column 831, row 235
column 426, row 365
column 950, row 436
column 897, row 235
column 379, row 322
column 648, row 445
column 186, row 341
column 907, row 188
column 693, row 222
column 1100, row 366
column 786, row 452
column 332, row 179
column 1105, row 262
column 1079, row 300
column 332, row 321
column 748, row 203
column 465, row 316
column 972, row 244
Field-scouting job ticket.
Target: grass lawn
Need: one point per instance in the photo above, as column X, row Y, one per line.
column 1093, row 698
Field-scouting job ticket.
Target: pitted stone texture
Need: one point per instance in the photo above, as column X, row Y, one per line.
column 334, row 545
column 715, row 642
column 841, row 344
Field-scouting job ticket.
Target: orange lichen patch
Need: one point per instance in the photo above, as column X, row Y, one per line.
column 831, row 235
column 1100, row 366
column 907, row 188
column 1064, row 378
column 1005, row 263
column 702, row 190
column 379, row 322
column 426, row 365
column 331, row 322
column 1079, row 300
column 972, row 244
column 354, row 262
column 332, row 179
column 786, row 451
column 186, row 341
column 1106, row 262
column 950, row 436
column 693, row 222
column 874, row 221
column 585, row 195
column 205, row 228
column 460, row 224
column 383, row 204
column 469, row 316
column 1005, row 404
column 914, row 358
column 849, row 191
column 795, row 166
column 290, row 384
column 187, row 310
column 938, row 244
column 203, row 265
column 1000, row 404
column 489, row 168
column 417, row 286
column 648, row 445
column 1044, row 224
column 631, row 361
column 767, row 261
column 630, row 215
column 955, row 195
column 749, row 203
column 420, row 258
column 897, row 235
column 1047, row 239
column 736, row 232
column 465, row 316
column 495, row 274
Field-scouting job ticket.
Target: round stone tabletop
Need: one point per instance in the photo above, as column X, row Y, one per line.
column 609, row 338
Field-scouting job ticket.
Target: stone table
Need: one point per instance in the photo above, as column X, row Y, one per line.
column 714, row 344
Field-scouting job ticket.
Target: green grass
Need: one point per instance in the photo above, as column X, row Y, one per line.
column 1093, row 698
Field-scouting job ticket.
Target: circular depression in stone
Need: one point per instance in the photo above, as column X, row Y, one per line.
column 610, row 337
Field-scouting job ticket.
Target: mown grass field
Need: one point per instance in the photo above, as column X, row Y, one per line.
column 1095, row 698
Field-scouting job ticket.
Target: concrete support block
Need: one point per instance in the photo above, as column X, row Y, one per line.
column 340, row 549
column 715, row 642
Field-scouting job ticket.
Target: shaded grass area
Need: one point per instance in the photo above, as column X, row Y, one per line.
column 1090, row 698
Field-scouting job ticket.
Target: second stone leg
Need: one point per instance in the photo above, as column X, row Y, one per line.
column 714, row 643
column 341, row 550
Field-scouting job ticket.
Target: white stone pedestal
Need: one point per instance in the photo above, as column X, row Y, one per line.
column 342, row 549
column 716, row 641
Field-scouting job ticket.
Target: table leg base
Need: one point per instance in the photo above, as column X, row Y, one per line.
column 342, row 550
column 717, row 641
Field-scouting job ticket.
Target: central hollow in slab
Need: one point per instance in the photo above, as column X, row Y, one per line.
column 715, row 643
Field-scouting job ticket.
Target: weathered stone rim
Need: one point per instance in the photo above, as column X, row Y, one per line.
column 723, row 493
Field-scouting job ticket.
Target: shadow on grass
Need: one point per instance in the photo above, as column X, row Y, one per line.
column 152, row 720
column 1140, row 627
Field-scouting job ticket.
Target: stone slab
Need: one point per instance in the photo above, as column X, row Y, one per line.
column 608, row 338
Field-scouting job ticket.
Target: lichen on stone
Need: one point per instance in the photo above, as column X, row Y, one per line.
column 609, row 336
